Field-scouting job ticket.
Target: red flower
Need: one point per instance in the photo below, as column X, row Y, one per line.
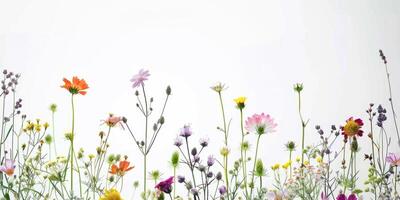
column 352, row 128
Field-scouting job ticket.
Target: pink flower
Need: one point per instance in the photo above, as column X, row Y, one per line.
column 8, row 167
column 112, row 121
column 393, row 159
column 323, row 196
column 139, row 78
column 166, row 185
column 260, row 124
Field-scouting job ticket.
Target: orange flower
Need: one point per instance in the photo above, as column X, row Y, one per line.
column 77, row 85
column 121, row 169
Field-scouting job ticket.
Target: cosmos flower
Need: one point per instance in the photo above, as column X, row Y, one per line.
column 8, row 167
column 393, row 159
column 352, row 128
column 112, row 121
column 165, row 185
column 77, row 86
column 139, row 78
column 260, row 124
column 121, row 169
column 111, row 194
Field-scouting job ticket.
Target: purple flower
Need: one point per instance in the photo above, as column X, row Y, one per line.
column 393, row 159
column 210, row 160
column 178, row 142
column 343, row 197
column 181, row 179
column 139, row 78
column 8, row 167
column 222, row 190
column 204, row 141
column 186, row 131
column 165, row 185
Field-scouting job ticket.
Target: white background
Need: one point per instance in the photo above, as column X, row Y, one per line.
column 258, row 48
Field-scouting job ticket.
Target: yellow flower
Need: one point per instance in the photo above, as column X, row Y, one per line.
column 38, row 127
column 306, row 162
column 46, row 125
column 224, row 151
column 287, row 164
column 240, row 102
column 319, row 159
column 276, row 166
column 298, row 159
column 111, row 194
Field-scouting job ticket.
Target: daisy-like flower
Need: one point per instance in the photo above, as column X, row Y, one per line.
column 240, row 102
column 139, row 78
column 352, row 128
column 393, row 159
column 165, row 185
column 8, row 167
column 219, row 87
column 344, row 197
column 121, row 169
column 260, row 124
column 113, row 121
column 77, row 86
column 111, row 194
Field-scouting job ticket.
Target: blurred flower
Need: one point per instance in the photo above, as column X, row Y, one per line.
column 352, row 128
column 240, row 102
column 287, row 164
column 393, row 159
column 344, row 197
column 112, row 121
column 53, row 107
column 210, row 160
column 121, row 169
column 8, row 167
column 139, row 78
column 219, row 87
column 204, row 141
column 260, row 124
column 277, row 195
column 77, row 86
column 186, row 131
column 323, row 196
column 298, row 87
column 166, row 185
column 111, row 194
column 181, row 179
column 224, row 151
column 276, row 166
column 290, row 146
column 260, row 169
column 178, row 142
column 222, row 190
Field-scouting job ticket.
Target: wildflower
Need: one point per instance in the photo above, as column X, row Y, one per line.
column 276, row 166
column 219, row 87
column 210, row 160
column 139, row 78
column 112, row 121
column 155, row 175
column 259, row 170
column 240, row 102
column 178, row 142
column 204, row 141
column 8, row 167
column 298, row 159
column 290, row 146
column 224, row 151
column 260, row 124
column 319, row 159
column 186, row 131
column 277, row 195
column 393, row 159
column 287, row 164
column 77, row 86
column 166, row 185
column 111, row 194
column 175, row 159
column 181, row 179
column 53, row 107
column 222, row 190
column 352, row 128
column 344, row 197
column 121, row 169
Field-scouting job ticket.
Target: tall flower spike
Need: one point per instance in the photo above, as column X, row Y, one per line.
column 139, row 78
column 77, row 86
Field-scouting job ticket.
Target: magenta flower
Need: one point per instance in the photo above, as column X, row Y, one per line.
column 165, row 185
column 8, row 167
column 139, row 78
column 393, row 159
column 260, row 124
column 343, row 197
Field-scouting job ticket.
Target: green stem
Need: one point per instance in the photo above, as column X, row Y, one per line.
column 145, row 144
column 174, row 182
column 226, row 144
column 244, row 160
column 72, row 145
column 254, row 164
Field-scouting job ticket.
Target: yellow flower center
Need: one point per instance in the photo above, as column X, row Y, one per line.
column 351, row 128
